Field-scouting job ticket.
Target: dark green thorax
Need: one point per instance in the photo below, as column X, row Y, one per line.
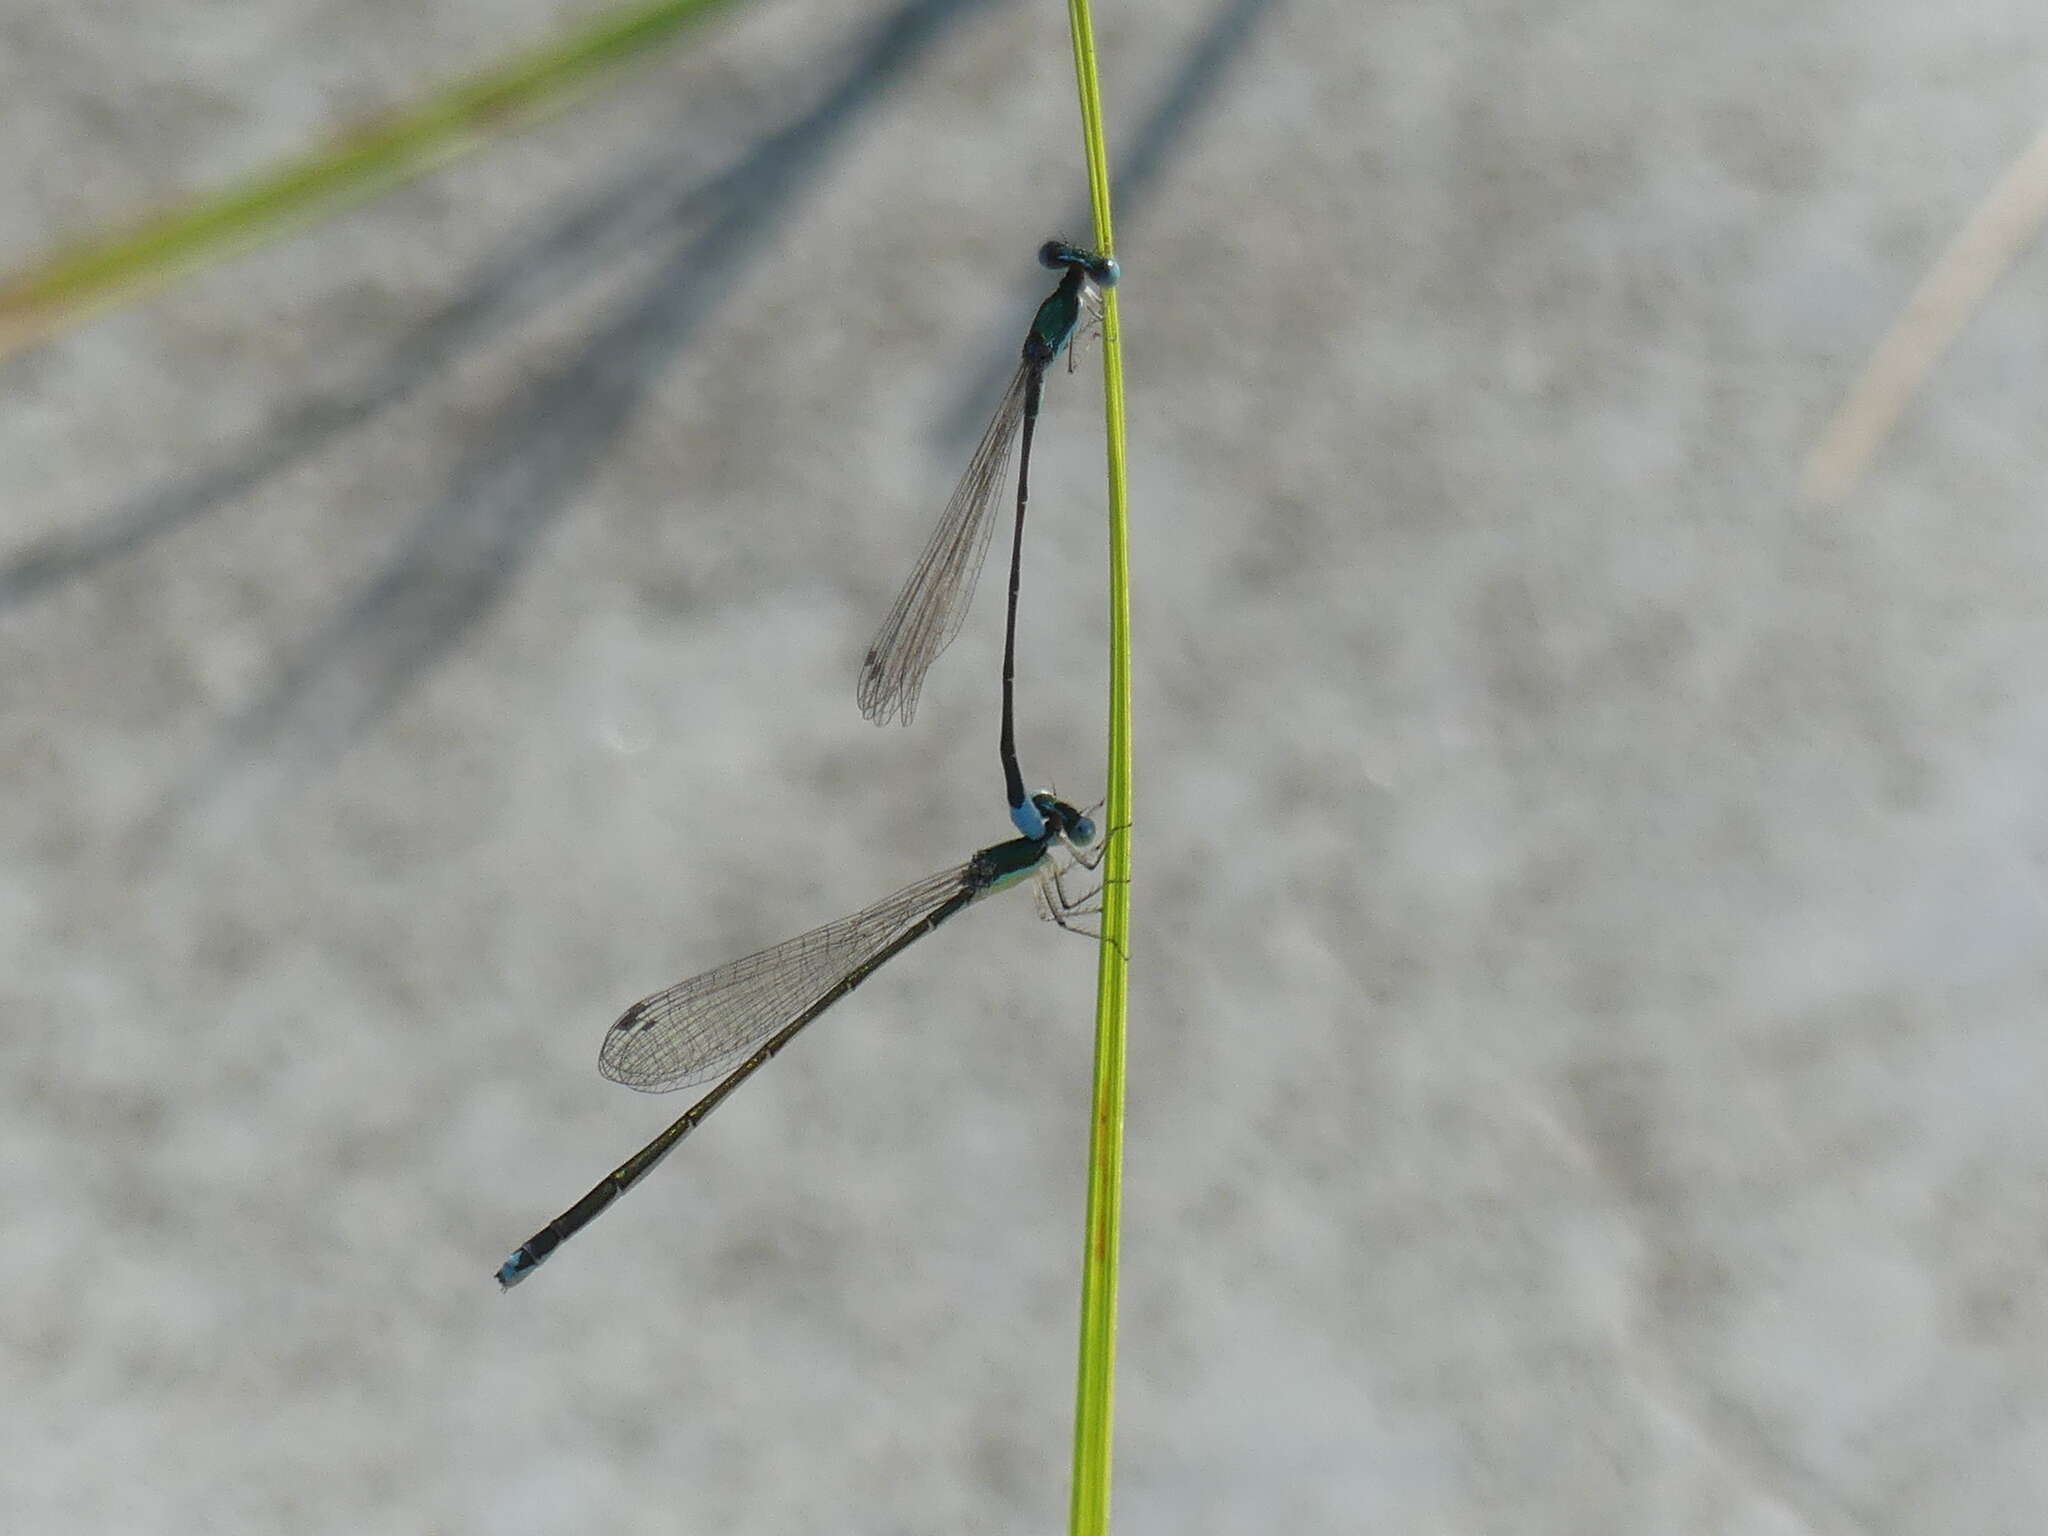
column 1054, row 324
column 1006, row 863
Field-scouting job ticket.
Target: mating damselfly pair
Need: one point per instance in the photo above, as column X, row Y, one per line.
column 731, row 1021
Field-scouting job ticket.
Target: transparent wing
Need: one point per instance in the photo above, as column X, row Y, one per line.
column 694, row 1030
column 933, row 603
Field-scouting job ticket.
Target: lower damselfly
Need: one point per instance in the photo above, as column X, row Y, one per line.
column 698, row 1029
column 933, row 604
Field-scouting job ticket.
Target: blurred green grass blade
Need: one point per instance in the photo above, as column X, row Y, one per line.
column 1095, row 1386
column 360, row 162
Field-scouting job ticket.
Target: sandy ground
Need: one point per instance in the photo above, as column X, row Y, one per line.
column 1589, row 1057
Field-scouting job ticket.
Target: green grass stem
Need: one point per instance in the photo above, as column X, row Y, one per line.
column 356, row 164
column 1095, row 1389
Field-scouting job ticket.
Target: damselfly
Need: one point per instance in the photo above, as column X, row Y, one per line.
column 933, row 603
column 696, row 1030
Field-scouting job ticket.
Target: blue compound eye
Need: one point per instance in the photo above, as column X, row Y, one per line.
column 1054, row 253
column 1081, row 830
column 1106, row 272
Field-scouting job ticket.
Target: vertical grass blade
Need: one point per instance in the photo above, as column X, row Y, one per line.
column 1095, row 1388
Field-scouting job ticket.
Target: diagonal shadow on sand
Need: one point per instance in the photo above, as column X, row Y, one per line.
column 525, row 472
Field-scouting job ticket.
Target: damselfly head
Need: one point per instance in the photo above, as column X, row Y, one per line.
column 1072, row 825
column 1102, row 271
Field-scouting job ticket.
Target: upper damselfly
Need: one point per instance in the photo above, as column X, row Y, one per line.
column 928, row 612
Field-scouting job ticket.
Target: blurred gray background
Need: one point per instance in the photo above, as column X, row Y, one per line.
column 1588, row 1063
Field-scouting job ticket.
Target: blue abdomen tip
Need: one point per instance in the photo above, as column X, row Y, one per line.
column 515, row 1269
